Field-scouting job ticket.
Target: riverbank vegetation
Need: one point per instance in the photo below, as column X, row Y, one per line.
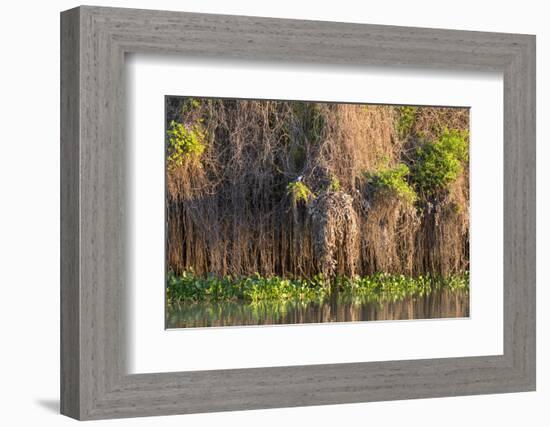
column 295, row 200
column 380, row 287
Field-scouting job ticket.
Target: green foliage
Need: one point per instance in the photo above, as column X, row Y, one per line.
column 255, row 288
column 405, row 122
column 185, row 141
column 299, row 192
column 393, row 180
column 439, row 163
column 334, row 184
column 193, row 103
column 384, row 287
column 190, row 107
column 379, row 287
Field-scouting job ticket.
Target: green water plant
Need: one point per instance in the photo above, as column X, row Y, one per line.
column 383, row 287
column 189, row 286
column 379, row 287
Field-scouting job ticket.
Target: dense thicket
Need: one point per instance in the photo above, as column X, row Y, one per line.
column 295, row 189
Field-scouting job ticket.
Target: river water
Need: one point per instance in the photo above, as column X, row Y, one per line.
column 438, row 304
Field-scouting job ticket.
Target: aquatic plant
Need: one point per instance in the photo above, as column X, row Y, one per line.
column 189, row 286
column 377, row 287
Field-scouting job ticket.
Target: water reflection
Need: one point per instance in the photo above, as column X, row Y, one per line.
column 439, row 304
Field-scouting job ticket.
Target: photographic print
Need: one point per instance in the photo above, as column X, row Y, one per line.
column 293, row 212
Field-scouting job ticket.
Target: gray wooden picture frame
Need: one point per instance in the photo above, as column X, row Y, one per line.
column 94, row 382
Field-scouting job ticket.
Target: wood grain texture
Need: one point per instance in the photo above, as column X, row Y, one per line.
column 70, row 259
column 95, row 239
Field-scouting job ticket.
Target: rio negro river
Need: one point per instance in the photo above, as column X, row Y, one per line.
column 438, row 304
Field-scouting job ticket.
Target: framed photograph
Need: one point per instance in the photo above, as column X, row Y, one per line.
column 277, row 213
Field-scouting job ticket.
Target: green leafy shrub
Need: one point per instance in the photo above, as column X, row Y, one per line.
column 185, row 141
column 439, row 163
column 299, row 192
column 405, row 122
column 393, row 180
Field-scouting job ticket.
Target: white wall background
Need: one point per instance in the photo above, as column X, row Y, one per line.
column 29, row 214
